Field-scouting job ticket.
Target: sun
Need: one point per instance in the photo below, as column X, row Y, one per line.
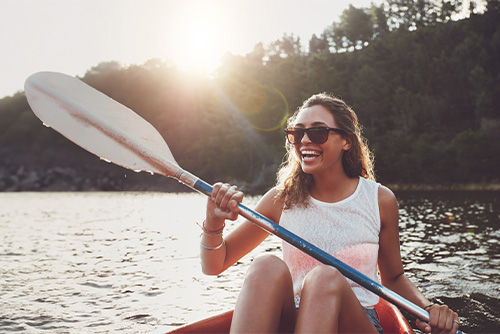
column 198, row 42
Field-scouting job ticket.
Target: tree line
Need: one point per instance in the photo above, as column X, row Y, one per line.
column 425, row 87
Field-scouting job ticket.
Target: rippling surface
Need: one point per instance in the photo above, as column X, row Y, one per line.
column 451, row 249
column 128, row 262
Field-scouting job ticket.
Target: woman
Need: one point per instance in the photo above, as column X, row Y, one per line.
column 326, row 194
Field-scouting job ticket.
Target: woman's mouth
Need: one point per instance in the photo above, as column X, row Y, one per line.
column 310, row 155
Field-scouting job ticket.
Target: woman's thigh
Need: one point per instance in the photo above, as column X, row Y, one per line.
column 266, row 301
column 329, row 304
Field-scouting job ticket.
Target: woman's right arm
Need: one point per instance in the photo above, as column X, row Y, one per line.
column 218, row 252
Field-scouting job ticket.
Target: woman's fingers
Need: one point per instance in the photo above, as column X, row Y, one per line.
column 224, row 193
column 423, row 326
column 442, row 320
column 226, row 199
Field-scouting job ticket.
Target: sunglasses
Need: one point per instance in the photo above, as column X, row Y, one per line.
column 317, row 134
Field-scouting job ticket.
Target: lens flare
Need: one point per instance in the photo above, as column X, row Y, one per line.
column 273, row 115
column 265, row 108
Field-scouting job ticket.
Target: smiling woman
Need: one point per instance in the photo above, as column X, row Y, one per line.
column 198, row 37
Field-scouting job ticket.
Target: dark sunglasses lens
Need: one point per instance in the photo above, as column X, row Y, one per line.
column 318, row 135
column 295, row 136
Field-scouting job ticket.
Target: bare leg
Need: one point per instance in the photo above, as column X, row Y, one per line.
column 328, row 305
column 265, row 303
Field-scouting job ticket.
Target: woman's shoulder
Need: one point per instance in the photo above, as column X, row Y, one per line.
column 271, row 204
column 385, row 194
column 388, row 205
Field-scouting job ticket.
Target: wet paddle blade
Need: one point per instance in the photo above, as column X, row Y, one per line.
column 98, row 123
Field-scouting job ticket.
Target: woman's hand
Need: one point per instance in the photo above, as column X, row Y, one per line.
column 442, row 320
column 223, row 203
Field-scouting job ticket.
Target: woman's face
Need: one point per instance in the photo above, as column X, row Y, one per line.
column 316, row 158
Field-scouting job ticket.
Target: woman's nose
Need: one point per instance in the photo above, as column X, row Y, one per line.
column 305, row 138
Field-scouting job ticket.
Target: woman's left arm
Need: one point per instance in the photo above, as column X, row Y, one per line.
column 442, row 318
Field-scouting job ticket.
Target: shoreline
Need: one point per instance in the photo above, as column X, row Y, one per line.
column 494, row 186
column 178, row 188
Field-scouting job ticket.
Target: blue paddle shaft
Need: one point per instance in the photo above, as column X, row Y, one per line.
column 322, row 256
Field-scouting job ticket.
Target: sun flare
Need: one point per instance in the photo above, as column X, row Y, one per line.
column 198, row 43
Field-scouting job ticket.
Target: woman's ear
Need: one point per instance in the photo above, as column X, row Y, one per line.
column 347, row 143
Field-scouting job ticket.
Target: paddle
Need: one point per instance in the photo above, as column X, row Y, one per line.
column 117, row 134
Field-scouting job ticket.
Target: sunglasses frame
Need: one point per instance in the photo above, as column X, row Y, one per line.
column 308, row 131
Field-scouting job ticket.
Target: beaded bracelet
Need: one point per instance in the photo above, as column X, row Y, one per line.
column 211, row 233
column 213, row 248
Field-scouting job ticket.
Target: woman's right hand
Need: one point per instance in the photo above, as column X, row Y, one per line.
column 223, row 203
column 442, row 320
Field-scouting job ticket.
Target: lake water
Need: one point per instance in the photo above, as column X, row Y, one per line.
column 128, row 262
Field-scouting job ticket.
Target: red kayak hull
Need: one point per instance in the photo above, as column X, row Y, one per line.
column 391, row 320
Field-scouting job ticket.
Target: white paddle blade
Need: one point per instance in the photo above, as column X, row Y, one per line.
column 98, row 123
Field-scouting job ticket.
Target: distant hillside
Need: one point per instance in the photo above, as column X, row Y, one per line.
column 428, row 99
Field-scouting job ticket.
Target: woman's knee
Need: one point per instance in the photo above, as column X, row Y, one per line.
column 269, row 268
column 325, row 279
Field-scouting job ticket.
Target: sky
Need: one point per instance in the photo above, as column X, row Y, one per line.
column 72, row 36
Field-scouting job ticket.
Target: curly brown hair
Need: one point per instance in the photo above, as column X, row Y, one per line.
column 293, row 184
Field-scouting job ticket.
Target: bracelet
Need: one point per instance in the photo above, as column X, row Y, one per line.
column 213, row 248
column 211, row 233
column 430, row 305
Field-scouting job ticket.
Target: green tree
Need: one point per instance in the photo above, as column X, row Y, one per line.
column 379, row 20
column 410, row 15
column 355, row 29
column 287, row 46
column 481, row 81
column 319, row 45
column 477, row 154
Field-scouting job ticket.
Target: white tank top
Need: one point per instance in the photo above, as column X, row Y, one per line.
column 348, row 230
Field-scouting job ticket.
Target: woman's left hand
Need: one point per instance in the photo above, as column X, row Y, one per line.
column 442, row 320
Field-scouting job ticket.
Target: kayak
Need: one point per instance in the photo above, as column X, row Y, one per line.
column 391, row 321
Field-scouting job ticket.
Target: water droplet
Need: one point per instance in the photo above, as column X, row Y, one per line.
column 46, row 125
column 104, row 159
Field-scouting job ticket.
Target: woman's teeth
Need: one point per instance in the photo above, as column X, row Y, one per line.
column 309, row 155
